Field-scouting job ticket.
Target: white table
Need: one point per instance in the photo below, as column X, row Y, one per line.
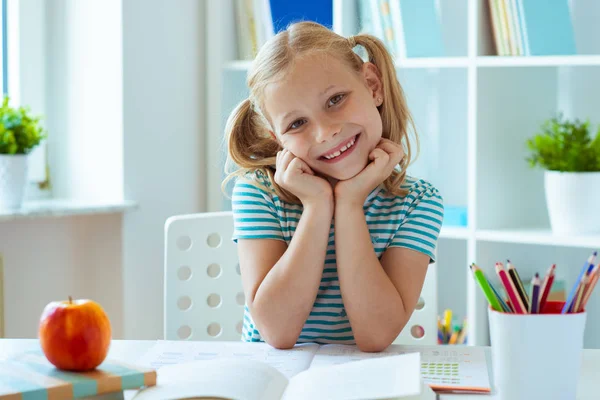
column 132, row 350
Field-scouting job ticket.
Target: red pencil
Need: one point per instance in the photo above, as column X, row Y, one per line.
column 546, row 286
column 510, row 289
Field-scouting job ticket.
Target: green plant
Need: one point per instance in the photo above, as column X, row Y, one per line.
column 20, row 132
column 566, row 146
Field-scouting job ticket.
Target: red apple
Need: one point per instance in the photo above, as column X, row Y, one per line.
column 75, row 334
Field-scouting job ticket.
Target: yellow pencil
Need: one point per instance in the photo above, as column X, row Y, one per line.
column 448, row 321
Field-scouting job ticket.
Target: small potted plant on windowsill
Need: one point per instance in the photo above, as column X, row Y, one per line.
column 570, row 157
column 20, row 132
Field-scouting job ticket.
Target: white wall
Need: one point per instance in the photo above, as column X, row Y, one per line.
column 116, row 260
column 163, row 99
column 50, row 259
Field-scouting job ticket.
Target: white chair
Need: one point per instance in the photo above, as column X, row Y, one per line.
column 204, row 299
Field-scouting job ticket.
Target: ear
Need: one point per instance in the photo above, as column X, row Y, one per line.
column 372, row 78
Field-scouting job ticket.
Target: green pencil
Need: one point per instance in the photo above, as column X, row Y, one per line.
column 487, row 290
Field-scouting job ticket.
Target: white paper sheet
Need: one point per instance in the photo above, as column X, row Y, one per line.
column 288, row 362
column 442, row 367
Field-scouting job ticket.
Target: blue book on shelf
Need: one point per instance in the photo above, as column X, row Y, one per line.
column 284, row 12
column 547, row 27
column 422, row 28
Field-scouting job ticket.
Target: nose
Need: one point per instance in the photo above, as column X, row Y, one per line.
column 326, row 129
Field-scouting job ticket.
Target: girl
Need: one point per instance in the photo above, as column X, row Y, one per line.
column 334, row 239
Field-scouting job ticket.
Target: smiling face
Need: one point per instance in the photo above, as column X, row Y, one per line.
column 326, row 114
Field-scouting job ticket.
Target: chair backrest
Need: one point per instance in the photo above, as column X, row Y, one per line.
column 204, row 299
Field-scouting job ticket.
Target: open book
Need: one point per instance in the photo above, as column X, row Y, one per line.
column 443, row 368
column 395, row 377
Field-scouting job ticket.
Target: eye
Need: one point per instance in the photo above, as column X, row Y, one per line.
column 297, row 124
column 336, row 99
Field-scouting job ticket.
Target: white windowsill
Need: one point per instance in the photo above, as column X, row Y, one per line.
column 65, row 207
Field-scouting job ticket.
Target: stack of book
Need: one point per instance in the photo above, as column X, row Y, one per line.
column 259, row 20
column 409, row 28
column 532, row 27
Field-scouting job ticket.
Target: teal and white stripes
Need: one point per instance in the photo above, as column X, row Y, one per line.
column 413, row 221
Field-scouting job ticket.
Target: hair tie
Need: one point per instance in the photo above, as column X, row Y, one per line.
column 352, row 41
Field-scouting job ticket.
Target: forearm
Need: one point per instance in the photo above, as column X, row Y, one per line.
column 285, row 297
column 374, row 306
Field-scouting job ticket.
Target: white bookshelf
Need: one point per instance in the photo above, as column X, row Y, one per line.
column 473, row 112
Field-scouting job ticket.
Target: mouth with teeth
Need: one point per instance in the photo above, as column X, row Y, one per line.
column 341, row 151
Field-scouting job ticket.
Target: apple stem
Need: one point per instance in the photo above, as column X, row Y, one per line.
column 70, row 300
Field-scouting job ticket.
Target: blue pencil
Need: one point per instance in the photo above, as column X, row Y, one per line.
column 584, row 270
column 505, row 306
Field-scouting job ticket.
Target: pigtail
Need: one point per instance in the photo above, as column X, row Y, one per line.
column 394, row 111
column 252, row 149
column 248, row 143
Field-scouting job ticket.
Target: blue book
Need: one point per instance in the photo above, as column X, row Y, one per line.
column 30, row 375
column 422, row 28
column 547, row 27
column 284, row 12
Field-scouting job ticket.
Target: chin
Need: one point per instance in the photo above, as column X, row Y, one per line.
column 346, row 173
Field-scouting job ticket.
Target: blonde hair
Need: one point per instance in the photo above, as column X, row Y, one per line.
column 250, row 145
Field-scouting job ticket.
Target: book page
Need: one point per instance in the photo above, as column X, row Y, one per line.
column 288, row 362
column 227, row 378
column 382, row 378
column 443, row 368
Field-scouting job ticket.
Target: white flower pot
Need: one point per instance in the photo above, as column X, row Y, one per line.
column 13, row 178
column 573, row 200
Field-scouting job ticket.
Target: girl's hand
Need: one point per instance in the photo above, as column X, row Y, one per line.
column 295, row 176
column 384, row 159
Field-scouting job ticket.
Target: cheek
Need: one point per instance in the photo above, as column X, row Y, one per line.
column 297, row 145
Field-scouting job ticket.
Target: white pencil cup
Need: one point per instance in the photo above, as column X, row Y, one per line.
column 537, row 356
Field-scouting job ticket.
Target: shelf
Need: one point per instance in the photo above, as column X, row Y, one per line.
column 433, row 62
column 538, row 61
column 454, row 232
column 64, row 208
column 538, row 236
column 481, row 61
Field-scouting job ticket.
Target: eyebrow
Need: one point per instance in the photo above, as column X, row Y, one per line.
column 326, row 90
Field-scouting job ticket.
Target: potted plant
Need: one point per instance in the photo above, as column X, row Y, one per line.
column 570, row 156
column 20, row 132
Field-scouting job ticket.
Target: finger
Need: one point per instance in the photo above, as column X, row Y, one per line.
column 298, row 164
column 390, row 147
column 286, row 159
column 377, row 155
column 395, row 151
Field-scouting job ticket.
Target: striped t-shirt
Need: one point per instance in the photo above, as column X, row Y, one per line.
column 412, row 221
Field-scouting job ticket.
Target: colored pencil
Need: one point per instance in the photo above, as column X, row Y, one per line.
column 447, row 324
column 590, row 287
column 505, row 306
column 485, row 287
column 515, row 300
column 580, row 291
column 573, row 292
column 535, row 294
column 454, row 335
column 514, row 275
column 463, row 333
column 546, row 287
